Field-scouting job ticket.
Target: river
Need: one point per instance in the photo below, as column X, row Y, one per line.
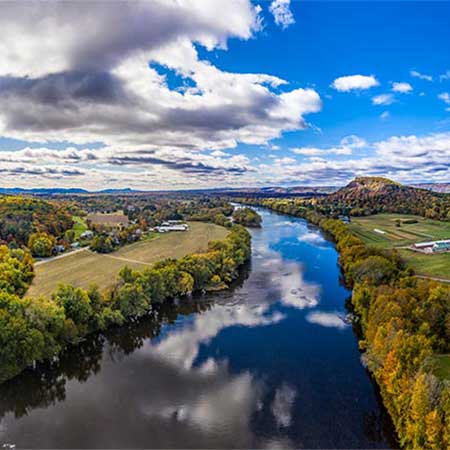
column 269, row 364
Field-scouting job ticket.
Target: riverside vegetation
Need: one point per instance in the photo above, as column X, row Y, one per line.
column 35, row 329
column 405, row 330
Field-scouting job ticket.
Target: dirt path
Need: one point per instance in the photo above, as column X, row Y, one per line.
column 120, row 258
column 425, row 277
column 64, row 255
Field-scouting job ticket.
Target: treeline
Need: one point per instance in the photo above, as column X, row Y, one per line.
column 404, row 321
column 34, row 330
column 20, row 217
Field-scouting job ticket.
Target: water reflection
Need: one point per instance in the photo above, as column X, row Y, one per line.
column 270, row 364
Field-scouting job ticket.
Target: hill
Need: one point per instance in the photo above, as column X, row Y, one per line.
column 21, row 216
column 371, row 195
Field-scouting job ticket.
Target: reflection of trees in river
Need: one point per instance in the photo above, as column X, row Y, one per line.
column 46, row 384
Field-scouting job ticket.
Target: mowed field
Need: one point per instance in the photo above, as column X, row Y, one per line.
column 434, row 265
column 85, row 267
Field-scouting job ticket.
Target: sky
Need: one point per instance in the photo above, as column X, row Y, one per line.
column 182, row 94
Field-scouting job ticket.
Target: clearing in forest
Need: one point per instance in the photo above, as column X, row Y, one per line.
column 86, row 267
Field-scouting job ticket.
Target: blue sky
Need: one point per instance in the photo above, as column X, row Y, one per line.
column 256, row 93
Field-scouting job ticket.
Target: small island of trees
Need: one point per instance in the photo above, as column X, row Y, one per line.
column 247, row 217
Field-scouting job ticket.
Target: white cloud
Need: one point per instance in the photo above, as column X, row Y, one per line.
column 421, row 76
column 282, row 405
column 83, row 89
column 326, row 319
column 385, row 115
column 404, row 158
column 354, row 82
column 312, row 238
column 282, row 13
column 401, row 87
column 445, row 76
column 445, row 97
column 346, row 147
column 383, row 99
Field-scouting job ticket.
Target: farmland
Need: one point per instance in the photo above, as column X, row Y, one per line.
column 85, row 267
column 389, row 235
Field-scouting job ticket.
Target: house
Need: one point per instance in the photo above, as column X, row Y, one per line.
column 88, row 234
column 166, row 226
column 345, row 219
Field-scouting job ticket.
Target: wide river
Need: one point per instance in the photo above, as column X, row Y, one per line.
column 269, row 364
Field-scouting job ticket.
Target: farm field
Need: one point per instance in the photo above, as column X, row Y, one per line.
column 85, row 267
column 393, row 236
column 437, row 265
column 434, row 265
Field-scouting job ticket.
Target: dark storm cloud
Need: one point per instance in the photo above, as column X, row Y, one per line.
column 54, row 89
column 182, row 164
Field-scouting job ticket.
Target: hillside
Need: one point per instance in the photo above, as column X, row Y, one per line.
column 370, row 195
column 21, row 216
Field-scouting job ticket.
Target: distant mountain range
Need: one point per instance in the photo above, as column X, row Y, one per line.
column 270, row 191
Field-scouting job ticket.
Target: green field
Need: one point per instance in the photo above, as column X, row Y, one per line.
column 85, row 267
column 440, row 366
column 79, row 226
column 434, row 265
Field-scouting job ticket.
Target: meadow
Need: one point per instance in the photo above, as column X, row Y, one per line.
column 85, row 267
column 434, row 265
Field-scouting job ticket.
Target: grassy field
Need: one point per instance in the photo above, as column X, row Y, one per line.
column 79, row 226
column 406, row 234
column 434, row 265
column 437, row 265
column 86, row 267
column 440, row 365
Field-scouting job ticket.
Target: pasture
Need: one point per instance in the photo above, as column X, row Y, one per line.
column 434, row 265
column 84, row 267
column 398, row 236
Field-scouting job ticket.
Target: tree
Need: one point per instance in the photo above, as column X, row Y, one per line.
column 41, row 244
column 77, row 306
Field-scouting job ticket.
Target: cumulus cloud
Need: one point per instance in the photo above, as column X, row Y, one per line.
column 403, row 158
column 421, row 76
column 354, row 83
column 384, row 115
column 383, row 99
column 282, row 13
column 326, row 319
column 401, row 87
column 115, row 90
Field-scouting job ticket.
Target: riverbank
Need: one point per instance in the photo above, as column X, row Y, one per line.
column 36, row 329
column 269, row 363
column 402, row 321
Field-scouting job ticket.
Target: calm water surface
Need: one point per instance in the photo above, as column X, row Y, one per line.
column 270, row 364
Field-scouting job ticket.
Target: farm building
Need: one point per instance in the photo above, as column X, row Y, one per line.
column 433, row 246
column 171, row 226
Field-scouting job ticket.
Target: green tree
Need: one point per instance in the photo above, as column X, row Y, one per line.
column 41, row 244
